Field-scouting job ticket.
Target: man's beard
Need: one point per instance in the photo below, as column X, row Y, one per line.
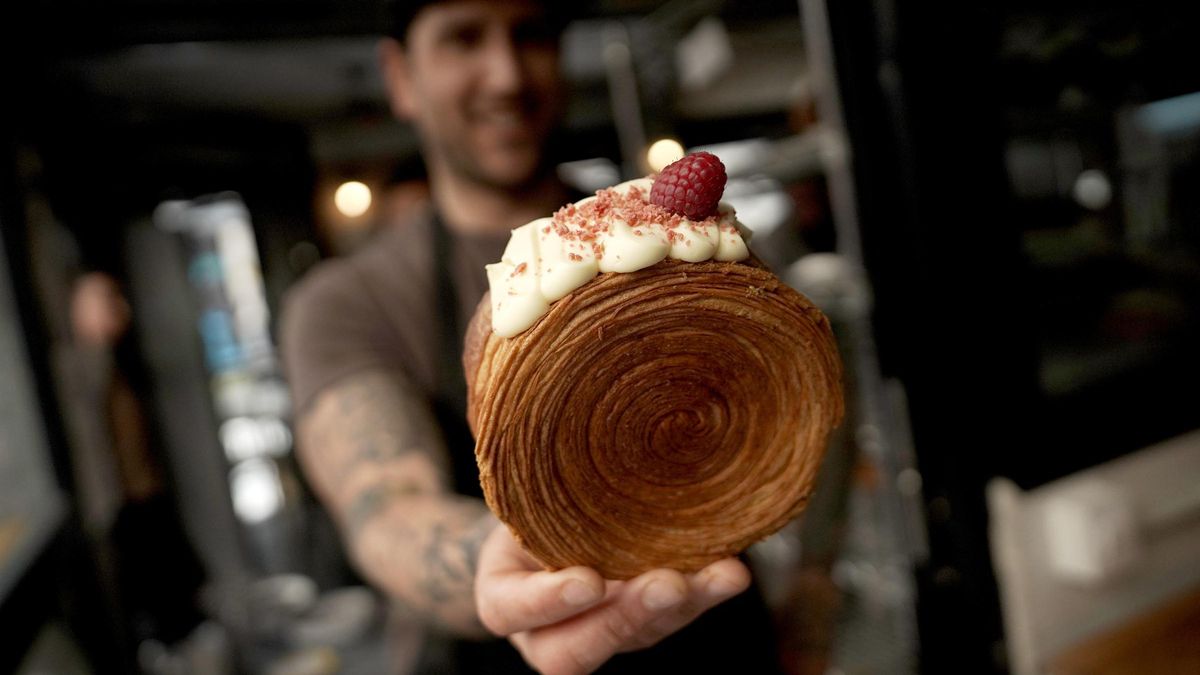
column 464, row 163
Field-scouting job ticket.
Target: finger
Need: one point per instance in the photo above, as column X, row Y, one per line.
column 720, row 581
column 510, row 598
column 583, row 643
column 707, row 588
column 520, row 602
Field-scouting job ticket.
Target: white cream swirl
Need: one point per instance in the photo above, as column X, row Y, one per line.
column 617, row 230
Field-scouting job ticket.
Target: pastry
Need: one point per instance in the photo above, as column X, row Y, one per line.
column 644, row 393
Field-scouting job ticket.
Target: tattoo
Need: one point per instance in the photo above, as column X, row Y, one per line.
column 370, row 419
column 370, row 502
column 451, row 558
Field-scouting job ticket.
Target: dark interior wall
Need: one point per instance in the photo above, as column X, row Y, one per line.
column 105, row 169
column 969, row 313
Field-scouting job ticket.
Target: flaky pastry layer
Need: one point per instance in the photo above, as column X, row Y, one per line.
column 667, row 417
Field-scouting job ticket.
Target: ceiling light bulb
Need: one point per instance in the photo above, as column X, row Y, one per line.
column 662, row 152
column 352, row 199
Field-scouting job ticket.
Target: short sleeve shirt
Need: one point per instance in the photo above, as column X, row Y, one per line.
column 378, row 309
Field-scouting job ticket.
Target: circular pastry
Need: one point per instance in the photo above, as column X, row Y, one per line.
column 664, row 417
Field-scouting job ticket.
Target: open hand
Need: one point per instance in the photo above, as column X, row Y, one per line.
column 571, row 621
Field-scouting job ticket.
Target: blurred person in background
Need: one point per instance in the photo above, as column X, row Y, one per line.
column 131, row 574
column 372, row 345
column 156, row 572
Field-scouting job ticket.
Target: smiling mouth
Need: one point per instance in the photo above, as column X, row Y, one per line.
column 509, row 115
column 504, row 119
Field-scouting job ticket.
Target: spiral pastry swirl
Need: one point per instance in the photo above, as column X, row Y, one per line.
column 667, row 417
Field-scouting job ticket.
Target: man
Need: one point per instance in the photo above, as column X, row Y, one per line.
column 372, row 345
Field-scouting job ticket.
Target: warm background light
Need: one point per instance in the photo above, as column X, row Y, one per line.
column 352, row 199
column 662, row 152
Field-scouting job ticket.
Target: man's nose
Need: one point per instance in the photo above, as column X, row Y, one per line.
column 504, row 71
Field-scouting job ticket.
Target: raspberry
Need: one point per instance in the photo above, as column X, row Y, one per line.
column 691, row 186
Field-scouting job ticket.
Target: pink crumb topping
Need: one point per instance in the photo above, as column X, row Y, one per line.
column 588, row 221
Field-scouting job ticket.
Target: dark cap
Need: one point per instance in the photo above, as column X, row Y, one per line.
column 402, row 12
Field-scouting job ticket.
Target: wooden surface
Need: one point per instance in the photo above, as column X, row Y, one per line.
column 11, row 529
column 1166, row 640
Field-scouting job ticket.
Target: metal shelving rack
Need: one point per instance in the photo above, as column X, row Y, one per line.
column 885, row 537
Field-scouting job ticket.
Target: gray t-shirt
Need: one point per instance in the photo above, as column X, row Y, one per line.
column 378, row 309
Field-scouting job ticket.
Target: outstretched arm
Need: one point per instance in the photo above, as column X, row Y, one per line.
column 371, row 449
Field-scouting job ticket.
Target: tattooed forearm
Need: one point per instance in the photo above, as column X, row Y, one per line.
column 424, row 552
column 372, row 451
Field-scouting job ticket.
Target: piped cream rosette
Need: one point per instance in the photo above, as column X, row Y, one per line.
column 615, row 231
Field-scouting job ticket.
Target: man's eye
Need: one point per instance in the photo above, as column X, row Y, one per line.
column 466, row 37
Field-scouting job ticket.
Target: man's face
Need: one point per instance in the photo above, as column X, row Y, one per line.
column 480, row 81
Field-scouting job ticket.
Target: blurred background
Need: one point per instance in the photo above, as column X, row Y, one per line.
column 997, row 203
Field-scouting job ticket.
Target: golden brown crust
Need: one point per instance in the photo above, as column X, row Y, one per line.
column 478, row 331
column 662, row 418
